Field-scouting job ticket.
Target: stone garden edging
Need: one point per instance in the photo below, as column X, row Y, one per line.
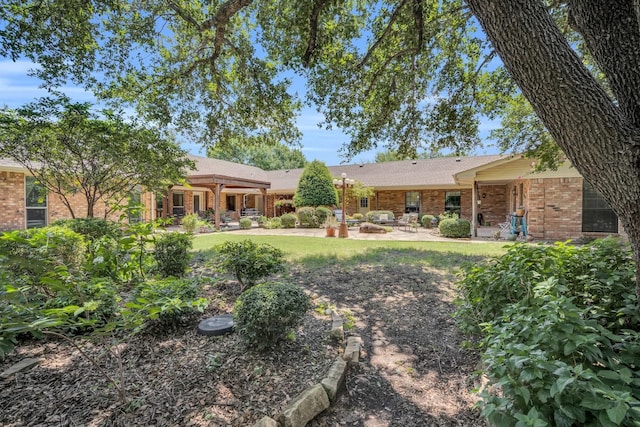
column 319, row 397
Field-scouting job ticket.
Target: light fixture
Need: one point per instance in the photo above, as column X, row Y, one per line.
column 343, row 184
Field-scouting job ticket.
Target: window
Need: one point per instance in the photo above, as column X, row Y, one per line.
column 364, row 202
column 411, row 201
column 178, row 200
column 159, row 201
column 134, row 209
column 178, row 204
column 231, row 202
column 452, row 202
column 597, row 215
column 35, row 203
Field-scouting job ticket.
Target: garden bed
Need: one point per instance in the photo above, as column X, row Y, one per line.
column 413, row 371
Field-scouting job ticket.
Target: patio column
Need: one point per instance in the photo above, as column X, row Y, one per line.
column 219, row 188
column 263, row 191
column 474, row 209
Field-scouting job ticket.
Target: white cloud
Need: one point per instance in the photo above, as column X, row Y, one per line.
column 20, row 67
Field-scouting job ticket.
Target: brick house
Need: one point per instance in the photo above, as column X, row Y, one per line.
column 558, row 204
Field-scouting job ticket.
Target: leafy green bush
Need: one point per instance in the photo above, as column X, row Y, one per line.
column 172, row 253
column 599, row 276
column 426, row 220
column 454, row 228
column 553, row 364
column 261, row 220
column 307, row 217
column 560, row 331
column 27, row 256
column 265, row 313
column 273, row 223
column 288, row 220
column 190, row 223
column 167, row 299
column 92, row 228
column 357, row 216
column 322, row 214
column 249, row 261
column 245, row 223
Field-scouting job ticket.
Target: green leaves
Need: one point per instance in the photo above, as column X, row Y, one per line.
column 248, row 261
column 315, row 187
column 554, row 353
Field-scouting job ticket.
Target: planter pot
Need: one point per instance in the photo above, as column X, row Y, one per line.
column 331, row 232
column 512, row 237
column 520, row 212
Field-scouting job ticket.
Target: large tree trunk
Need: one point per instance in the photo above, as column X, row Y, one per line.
column 600, row 137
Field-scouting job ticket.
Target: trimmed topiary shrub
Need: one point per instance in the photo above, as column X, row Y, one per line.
column 315, row 187
column 426, row 220
column 266, row 313
column 307, row 217
column 249, row 261
column 172, row 254
column 245, row 223
column 322, row 214
column 288, row 220
column 455, row 228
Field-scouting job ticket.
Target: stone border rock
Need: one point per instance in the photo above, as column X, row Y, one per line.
column 315, row 399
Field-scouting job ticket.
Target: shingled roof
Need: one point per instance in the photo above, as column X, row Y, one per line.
column 404, row 174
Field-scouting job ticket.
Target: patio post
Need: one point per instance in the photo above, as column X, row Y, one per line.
column 343, row 184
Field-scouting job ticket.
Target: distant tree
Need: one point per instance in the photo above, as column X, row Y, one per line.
column 394, row 155
column 359, row 190
column 315, row 187
column 265, row 156
column 70, row 151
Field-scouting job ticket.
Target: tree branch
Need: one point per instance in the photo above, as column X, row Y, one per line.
column 384, row 34
column 318, row 5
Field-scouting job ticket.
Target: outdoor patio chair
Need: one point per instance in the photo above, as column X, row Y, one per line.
column 338, row 214
column 505, row 227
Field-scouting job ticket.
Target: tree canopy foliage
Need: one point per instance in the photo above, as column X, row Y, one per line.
column 411, row 74
column 315, row 187
column 71, row 151
column 265, row 156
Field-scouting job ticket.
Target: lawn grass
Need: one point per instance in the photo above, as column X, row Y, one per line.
column 313, row 251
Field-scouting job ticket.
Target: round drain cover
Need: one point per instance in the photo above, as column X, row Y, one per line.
column 216, row 325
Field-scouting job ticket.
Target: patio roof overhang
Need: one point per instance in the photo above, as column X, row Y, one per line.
column 211, row 180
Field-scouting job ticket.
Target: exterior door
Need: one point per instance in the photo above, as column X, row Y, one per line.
column 196, row 203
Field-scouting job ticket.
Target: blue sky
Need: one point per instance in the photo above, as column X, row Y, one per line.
column 17, row 89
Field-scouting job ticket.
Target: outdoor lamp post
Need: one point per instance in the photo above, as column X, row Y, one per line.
column 343, row 183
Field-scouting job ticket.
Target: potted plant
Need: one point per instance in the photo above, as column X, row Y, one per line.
column 330, row 225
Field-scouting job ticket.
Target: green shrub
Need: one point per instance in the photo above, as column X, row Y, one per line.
column 261, row 220
column 273, row 223
column 553, row 364
column 245, row 223
column 190, row 223
column 454, row 228
column 288, row 220
column 249, row 261
column 426, row 220
column 266, row 313
column 561, row 339
column 172, row 253
column 307, row 217
column 322, row 214
column 599, row 276
column 27, row 256
column 92, row 228
column 357, row 216
column 167, row 299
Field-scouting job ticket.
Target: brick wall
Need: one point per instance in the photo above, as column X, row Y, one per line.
column 12, row 201
column 555, row 208
column 493, row 206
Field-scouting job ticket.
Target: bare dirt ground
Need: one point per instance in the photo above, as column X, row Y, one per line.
column 412, row 370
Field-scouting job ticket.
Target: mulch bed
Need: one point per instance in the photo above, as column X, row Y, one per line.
column 413, row 371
